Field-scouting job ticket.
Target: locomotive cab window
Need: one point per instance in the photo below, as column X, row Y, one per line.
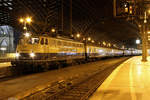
column 34, row 41
column 42, row 41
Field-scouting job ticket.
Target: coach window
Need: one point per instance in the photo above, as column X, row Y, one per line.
column 62, row 43
column 65, row 43
column 79, row 45
column 74, row 45
column 46, row 41
column 90, row 50
column 49, row 41
column 42, row 41
column 59, row 43
column 54, row 43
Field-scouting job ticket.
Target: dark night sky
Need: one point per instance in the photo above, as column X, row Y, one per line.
column 90, row 17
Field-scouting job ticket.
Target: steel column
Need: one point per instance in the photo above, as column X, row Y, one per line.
column 144, row 43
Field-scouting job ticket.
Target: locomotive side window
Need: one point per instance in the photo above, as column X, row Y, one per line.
column 46, row 41
column 42, row 41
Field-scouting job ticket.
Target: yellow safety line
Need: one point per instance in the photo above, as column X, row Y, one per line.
column 132, row 90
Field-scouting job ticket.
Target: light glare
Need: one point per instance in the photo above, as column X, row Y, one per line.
column 28, row 20
column 21, row 20
column 137, row 41
column 3, row 49
column 27, row 34
column 78, row 35
column 89, row 39
column 17, row 54
column 53, row 30
column 32, row 55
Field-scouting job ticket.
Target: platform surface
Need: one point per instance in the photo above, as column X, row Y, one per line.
column 25, row 85
column 129, row 81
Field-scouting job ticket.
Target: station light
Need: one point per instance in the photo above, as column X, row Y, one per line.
column 24, row 27
column 125, row 5
column 140, row 25
column 109, row 44
column 137, row 41
column 27, row 34
column 104, row 43
column 89, row 38
column 71, row 35
column 32, row 55
column 93, row 41
column 3, row 48
column 145, row 21
column 148, row 32
column 83, row 39
column 21, row 20
column 17, row 55
column 53, row 30
column 25, row 20
column 149, row 11
column 126, row 9
column 28, row 20
column 78, row 35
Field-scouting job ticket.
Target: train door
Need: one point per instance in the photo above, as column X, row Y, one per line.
column 42, row 45
column 46, row 46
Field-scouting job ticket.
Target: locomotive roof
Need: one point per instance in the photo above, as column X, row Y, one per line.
column 58, row 37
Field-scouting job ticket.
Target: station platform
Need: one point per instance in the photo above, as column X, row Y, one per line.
column 5, row 69
column 129, row 81
column 20, row 87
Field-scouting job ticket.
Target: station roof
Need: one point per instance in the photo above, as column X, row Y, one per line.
column 90, row 17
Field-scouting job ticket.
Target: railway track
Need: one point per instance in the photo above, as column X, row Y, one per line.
column 73, row 89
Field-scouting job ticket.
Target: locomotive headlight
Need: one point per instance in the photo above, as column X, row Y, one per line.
column 17, row 55
column 32, row 55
